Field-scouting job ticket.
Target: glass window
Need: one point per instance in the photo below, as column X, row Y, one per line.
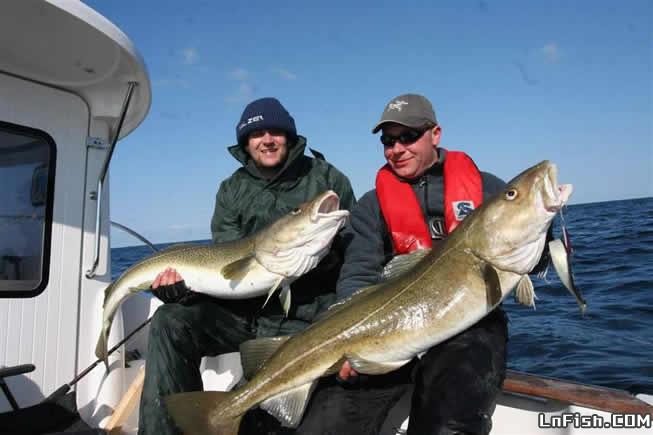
column 27, row 159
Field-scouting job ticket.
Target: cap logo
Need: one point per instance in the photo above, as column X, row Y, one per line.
column 396, row 105
column 462, row 209
column 256, row 118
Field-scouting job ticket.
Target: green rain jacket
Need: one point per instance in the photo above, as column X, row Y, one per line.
column 247, row 202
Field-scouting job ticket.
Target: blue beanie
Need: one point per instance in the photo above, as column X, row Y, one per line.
column 262, row 114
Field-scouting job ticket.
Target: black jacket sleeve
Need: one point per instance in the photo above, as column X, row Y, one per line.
column 491, row 185
column 365, row 247
column 225, row 225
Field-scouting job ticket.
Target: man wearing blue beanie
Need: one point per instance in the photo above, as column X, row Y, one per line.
column 266, row 130
column 275, row 177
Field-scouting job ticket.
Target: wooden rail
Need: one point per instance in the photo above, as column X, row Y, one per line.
column 590, row 396
column 126, row 405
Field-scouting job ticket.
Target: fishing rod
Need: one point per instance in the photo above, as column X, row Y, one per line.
column 66, row 387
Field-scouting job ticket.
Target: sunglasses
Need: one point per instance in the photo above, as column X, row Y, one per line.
column 405, row 138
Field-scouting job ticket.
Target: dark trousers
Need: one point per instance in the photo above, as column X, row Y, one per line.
column 455, row 388
column 180, row 335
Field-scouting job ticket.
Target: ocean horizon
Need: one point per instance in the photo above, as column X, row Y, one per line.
column 168, row 243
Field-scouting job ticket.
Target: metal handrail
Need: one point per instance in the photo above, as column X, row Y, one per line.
column 135, row 234
column 103, row 173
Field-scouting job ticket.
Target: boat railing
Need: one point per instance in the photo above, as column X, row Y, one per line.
column 134, row 234
column 97, row 195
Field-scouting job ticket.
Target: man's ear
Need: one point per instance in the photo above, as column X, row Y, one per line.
column 435, row 136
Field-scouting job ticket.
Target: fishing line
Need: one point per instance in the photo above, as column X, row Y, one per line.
column 66, row 387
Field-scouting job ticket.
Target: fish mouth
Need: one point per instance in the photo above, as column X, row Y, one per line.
column 329, row 206
column 555, row 195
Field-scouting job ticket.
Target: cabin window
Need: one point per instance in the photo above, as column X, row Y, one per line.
column 27, row 158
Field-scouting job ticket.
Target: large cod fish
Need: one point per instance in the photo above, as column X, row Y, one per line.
column 246, row 268
column 382, row 327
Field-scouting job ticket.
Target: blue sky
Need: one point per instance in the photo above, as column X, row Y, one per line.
column 512, row 83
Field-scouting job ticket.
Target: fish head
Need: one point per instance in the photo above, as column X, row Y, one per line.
column 510, row 228
column 297, row 242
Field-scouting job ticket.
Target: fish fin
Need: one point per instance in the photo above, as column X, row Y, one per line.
column 362, row 365
column 289, row 406
column 192, row 413
column 336, row 307
column 401, row 264
column 335, row 368
column 492, row 285
column 285, row 298
column 237, row 270
column 542, row 273
column 525, row 292
column 273, row 289
column 141, row 287
column 254, row 353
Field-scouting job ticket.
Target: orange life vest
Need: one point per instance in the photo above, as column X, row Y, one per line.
column 463, row 192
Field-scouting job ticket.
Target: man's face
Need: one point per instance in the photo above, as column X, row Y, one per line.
column 410, row 160
column 268, row 148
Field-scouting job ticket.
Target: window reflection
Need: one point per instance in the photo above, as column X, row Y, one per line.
column 25, row 184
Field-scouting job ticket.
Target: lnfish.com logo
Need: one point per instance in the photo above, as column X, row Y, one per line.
column 594, row 421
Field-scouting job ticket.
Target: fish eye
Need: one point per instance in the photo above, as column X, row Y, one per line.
column 511, row 194
column 295, row 211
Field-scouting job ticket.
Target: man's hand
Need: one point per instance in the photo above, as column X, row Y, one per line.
column 168, row 277
column 347, row 374
column 169, row 286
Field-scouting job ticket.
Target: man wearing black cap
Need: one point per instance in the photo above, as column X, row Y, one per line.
column 421, row 195
column 275, row 178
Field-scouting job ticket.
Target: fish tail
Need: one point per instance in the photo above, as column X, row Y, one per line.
column 101, row 348
column 192, row 413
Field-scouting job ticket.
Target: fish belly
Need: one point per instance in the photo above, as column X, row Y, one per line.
column 402, row 333
column 256, row 282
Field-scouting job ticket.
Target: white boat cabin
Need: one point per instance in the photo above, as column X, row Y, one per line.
column 66, row 73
